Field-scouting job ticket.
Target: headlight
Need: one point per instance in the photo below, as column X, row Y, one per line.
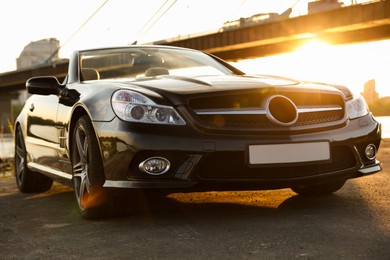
column 357, row 107
column 135, row 107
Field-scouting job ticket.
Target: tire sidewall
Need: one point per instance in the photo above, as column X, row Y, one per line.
column 95, row 170
column 20, row 181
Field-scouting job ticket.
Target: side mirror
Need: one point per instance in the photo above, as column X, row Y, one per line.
column 45, row 85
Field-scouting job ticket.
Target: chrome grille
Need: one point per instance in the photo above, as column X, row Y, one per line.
column 247, row 112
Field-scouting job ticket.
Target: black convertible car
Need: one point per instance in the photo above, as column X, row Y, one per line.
column 152, row 117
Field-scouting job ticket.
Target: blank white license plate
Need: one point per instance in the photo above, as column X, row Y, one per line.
column 289, row 153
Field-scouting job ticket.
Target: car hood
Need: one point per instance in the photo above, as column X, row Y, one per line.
column 203, row 84
column 176, row 87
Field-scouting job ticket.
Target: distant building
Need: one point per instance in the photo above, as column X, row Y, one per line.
column 323, row 6
column 39, row 52
column 370, row 93
column 35, row 53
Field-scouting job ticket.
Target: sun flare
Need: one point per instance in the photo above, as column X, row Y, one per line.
column 313, row 46
column 350, row 65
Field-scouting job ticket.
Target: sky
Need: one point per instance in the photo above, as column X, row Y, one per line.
column 120, row 22
column 350, row 65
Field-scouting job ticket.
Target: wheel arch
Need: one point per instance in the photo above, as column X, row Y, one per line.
column 79, row 112
column 16, row 126
column 20, row 125
column 19, row 122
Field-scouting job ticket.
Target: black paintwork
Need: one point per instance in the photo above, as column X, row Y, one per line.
column 48, row 118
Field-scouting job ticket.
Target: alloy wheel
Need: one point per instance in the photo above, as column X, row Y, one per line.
column 20, row 155
column 82, row 183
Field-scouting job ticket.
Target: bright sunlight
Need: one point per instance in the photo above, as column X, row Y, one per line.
column 350, row 65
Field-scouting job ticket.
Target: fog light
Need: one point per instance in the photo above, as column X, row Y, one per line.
column 155, row 165
column 370, row 151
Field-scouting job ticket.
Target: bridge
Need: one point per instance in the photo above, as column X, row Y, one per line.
column 351, row 24
column 347, row 25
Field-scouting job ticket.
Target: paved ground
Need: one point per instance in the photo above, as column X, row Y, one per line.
column 354, row 223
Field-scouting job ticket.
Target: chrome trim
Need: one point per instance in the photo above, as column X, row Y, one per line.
column 370, row 170
column 319, row 109
column 261, row 111
column 146, row 184
column 272, row 116
column 42, row 168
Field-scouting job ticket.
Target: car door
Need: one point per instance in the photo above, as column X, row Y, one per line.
column 42, row 141
column 64, row 113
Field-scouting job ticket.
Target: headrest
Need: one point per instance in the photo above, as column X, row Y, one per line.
column 156, row 71
column 89, row 74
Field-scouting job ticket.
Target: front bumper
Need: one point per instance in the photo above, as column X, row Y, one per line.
column 219, row 161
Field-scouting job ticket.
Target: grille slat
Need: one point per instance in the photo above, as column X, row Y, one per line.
column 238, row 112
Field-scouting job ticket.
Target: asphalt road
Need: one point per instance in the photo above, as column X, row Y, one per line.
column 354, row 223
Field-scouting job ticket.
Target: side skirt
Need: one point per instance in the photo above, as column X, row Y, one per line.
column 56, row 175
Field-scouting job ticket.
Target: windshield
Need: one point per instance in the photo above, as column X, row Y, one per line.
column 136, row 62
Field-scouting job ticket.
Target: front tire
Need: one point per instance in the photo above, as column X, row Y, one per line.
column 27, row 181
column 319, row 189
column 88, row 174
